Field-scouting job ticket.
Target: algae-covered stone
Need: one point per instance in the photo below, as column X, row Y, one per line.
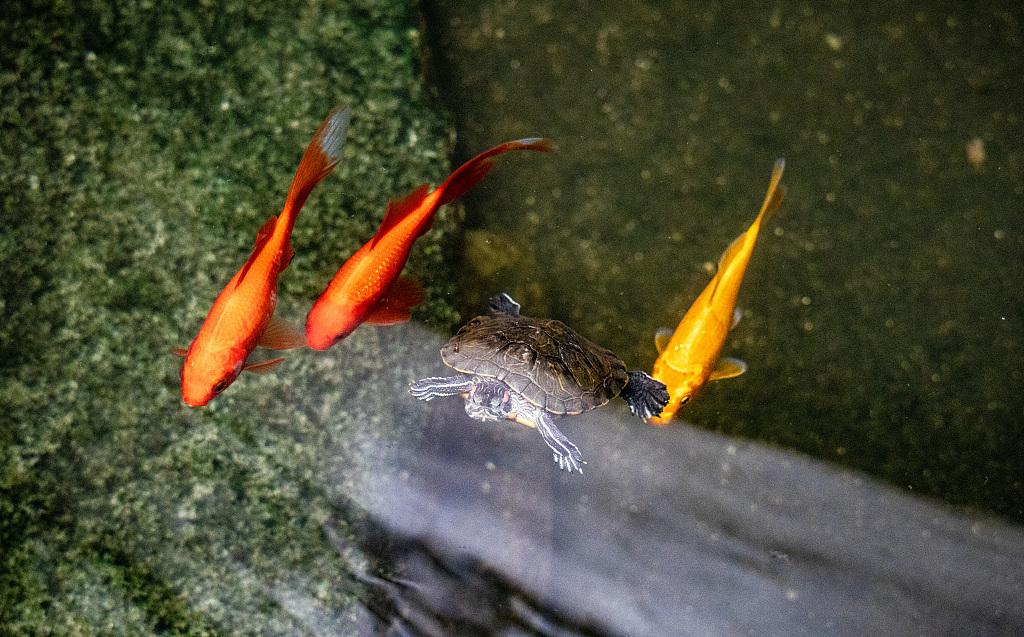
column 142, row 145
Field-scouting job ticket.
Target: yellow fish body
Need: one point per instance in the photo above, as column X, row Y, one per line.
column 690, row 357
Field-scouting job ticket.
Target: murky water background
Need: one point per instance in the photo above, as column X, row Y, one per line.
column 883, row 309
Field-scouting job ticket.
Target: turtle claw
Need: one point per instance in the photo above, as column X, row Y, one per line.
column 569, row 463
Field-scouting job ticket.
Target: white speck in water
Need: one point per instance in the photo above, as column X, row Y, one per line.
column 833, row 41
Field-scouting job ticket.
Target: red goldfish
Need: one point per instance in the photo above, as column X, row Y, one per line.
column 242, row 316
column 367, row 288
column 689, row 357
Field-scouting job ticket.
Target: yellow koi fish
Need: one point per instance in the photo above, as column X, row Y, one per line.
column 689, row 357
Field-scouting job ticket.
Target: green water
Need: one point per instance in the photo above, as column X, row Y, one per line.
column 883, row 308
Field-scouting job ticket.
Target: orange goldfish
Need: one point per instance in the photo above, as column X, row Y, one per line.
column 242, row 316
column 689, row 357
column 367, row 288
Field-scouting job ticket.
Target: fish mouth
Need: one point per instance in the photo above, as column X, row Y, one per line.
column 195, row 401
column 320, row 342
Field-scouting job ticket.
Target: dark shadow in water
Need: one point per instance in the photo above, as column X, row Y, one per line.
column 473, row 531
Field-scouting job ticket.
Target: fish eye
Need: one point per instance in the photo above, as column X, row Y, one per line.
column 221, row 386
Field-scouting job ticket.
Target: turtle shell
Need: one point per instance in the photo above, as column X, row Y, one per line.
column 542, row 359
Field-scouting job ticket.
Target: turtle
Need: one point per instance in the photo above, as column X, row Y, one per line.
column 530, row 369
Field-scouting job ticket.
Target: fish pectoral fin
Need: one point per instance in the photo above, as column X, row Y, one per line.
column 397, row 303
column 262, row 367
column 727, row 368
column 286, row 256
column 662, row 336
column 279, row 334
column 177, row 351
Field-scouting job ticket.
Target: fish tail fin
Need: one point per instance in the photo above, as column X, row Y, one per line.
column 772, row 200
column 776, row 193
column 321, row 156
column 460, row 181
column 474, row 170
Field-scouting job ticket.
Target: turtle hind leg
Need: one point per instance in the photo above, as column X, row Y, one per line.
column 441, row 386
column 504, row 304
column 646, row 397
column 567, row 455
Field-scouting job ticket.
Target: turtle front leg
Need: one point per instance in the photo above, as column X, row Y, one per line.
column 646, row 397
column 441, row 386
column 567, row 456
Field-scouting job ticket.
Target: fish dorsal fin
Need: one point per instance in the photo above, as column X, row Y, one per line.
column 471, row 172
column 264, row 232
column 399, row 209
column 662, row 336
column 397, row 303
column 262, row 367
column 727, row 368
column 262, row 235
column 279, row 334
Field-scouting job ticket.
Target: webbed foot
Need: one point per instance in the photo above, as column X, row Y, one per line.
column 567, row 455
column 646, row 397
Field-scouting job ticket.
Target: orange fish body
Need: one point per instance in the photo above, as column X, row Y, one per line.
column 368, row 288
column 242, row 316
column 690, row 357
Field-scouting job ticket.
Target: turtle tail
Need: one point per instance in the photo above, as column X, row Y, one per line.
column 646, row 397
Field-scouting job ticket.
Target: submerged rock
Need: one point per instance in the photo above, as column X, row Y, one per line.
column 143, row 145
